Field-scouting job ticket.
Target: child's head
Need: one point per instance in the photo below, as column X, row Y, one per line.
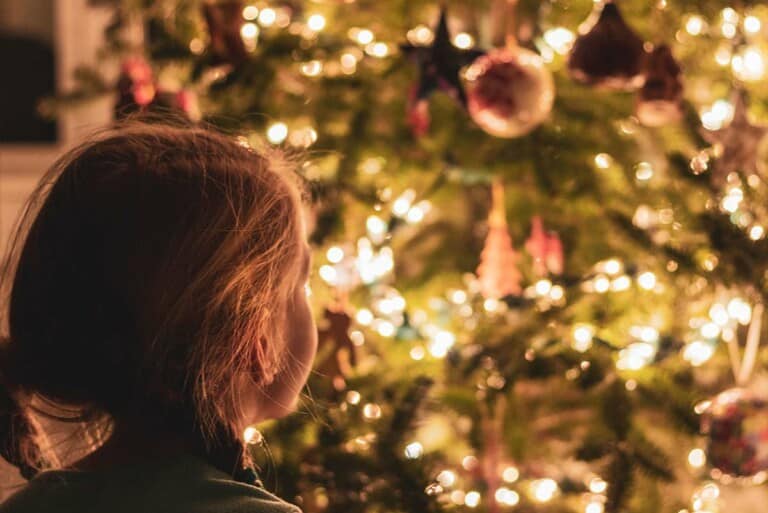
column 160, row 279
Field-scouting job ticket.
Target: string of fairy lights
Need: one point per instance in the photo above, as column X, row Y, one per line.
column 369, row 261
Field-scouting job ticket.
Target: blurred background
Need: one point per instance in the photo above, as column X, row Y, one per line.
column 539, row 230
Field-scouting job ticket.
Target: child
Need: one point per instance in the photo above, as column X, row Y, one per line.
column 159, row 290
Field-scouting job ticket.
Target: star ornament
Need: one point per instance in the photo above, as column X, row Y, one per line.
column 439, row 69
column 737, row 145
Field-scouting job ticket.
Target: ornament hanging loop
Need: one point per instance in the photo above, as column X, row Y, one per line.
column 510, row 30
column 751, row 347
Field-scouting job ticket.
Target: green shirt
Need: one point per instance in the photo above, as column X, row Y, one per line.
column 186, row 484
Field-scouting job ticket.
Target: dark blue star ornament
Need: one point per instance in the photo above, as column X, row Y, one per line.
column 439, row 67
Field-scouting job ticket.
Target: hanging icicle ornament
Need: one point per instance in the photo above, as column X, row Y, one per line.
column 659, row 101
column 510, row 91
column 736, row 420
column 498, row 273
column 545, row 249
column 607, row 53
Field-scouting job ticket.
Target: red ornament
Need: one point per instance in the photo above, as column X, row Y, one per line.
column 135, row 86
column 609, row 54
column 659, row 101
column 509, row 91
column 736, row 426
column 545, row 248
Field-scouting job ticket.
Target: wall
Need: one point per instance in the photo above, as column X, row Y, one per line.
column 77, row 30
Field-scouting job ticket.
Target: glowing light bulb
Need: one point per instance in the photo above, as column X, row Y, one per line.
column 267, row 17
column 334, row 254
column 312, row 68
column 603, row 160
column 375, row 225
column 612, row 266
column 506, row 496
column 463, row 40
column 250, row 12
column 697, row 352
column 441, row 343
column 621, row 283
column 644, row 171
column 749, row 64
column 348, row 63
column 710, row 330
column 647, row 280
column 510, row 474
column 277, row 132
column 249, row 31
column 544, row 490
column 402, row 204
column 417, row 353
column 560, row 39
column 446, row 478
column 730, row 203
column 697, row 458
column 601, row 284
column 730, row 15
column 413, row 450
column 377, row 49
column 752, row 24
column 457, row 497
column 543, row 287
column 582, row 337
column 458, row 297
column 719, row 314
column 738, row 309
column 385, row 328
column 694, row 25
column 353, row 397
column 328, row 274
column 717, row 115
column 415, row 214
column 756, row 232
column 362, row 36
column 364, row 317
column 469, row 462
column 594, row 506
column 472, row 499
column 419, row 35
column 728, row 30
column 252, row 436
column 372, row 411
column 723, row 55
column 597, row 485
column 316, row 22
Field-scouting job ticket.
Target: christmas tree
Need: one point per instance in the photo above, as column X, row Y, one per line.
column 617, row 370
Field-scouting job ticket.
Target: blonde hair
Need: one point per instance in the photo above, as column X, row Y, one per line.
column 149, row 276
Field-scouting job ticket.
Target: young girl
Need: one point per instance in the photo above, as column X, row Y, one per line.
column 158, row 289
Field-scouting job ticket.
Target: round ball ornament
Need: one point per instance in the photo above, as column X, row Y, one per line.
column 509, row 91
column 736, row 426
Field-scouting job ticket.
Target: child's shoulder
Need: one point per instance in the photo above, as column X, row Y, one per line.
column 186, row 485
